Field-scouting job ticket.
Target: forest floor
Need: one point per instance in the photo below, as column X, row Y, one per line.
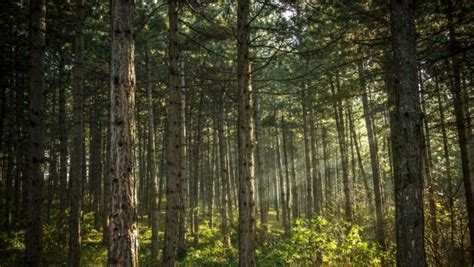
column 316, row 241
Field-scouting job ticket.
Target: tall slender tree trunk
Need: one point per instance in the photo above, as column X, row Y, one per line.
column 449, row 178
column 184, row 156
column 153, row 183
column 284, row 190
column 361, row 165
column 374, row 161
column 174, row 155
column 261, row 177
column 75, row 188
column 307, row 157
column 35, row 177
column 317, row 190
column 224, row 171
column 343, row 149
column 123, row 249
column 406, row 137
column 462, row 121
column 196, row 173
column 63, row 142
column 96, row 161
column 327, row 172
column 246, row 142
column 427, row 166
column 295, row 198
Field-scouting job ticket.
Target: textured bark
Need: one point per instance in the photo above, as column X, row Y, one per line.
column 406, row 137
column 224, row 171
column 123, row 249
column 96, row 161
column 184, row 159
column 374, row 161
column 284, row 190
column 35, row 167
column 153, row 183
column 196, row 174
column 174, row 156
column 307, row 157
column 246, row 142
column 75, row 189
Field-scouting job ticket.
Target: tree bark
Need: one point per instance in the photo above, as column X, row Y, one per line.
column 285, row 190
column 153, row 212
column 174, row 155
column 63, row 142
column 406, row 137
column 246, row 142
column 307, row 157
column 75, row 188
column 123, row 249
column 184, row 159
column 35, row 175
column 224, row 172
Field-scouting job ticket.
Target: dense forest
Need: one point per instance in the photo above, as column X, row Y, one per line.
column 236, row 133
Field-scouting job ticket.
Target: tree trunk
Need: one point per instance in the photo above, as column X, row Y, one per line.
column 174, row 155
column 262, row 178
column 343, row 149
column 327, row 172
column 246, row 142
column 123, row 249
column 427, row 165
column 184, row 177
column 462, row 121
column 63, row 143
column 224, row 173
column 406, row 137
column 317, row 189
column 449, row 178
column 285, row 191
column 35, row 179
column 374, row 161
column 196, row 173
column 153, row 212
column 307, row 157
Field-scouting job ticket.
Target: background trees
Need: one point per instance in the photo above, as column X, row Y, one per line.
column 314, row 96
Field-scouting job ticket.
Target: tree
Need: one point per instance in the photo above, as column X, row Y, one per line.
column 123, row 229
column 245, row 141
column 35, row 180
column 374, row 162
column 174, row 149
column 75, row 189
column 406, row 137
column 151, row 163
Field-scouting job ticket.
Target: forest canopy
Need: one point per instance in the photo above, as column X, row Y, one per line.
column 236, row 133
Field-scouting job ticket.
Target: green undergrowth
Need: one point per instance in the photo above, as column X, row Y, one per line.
column 313, row 242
